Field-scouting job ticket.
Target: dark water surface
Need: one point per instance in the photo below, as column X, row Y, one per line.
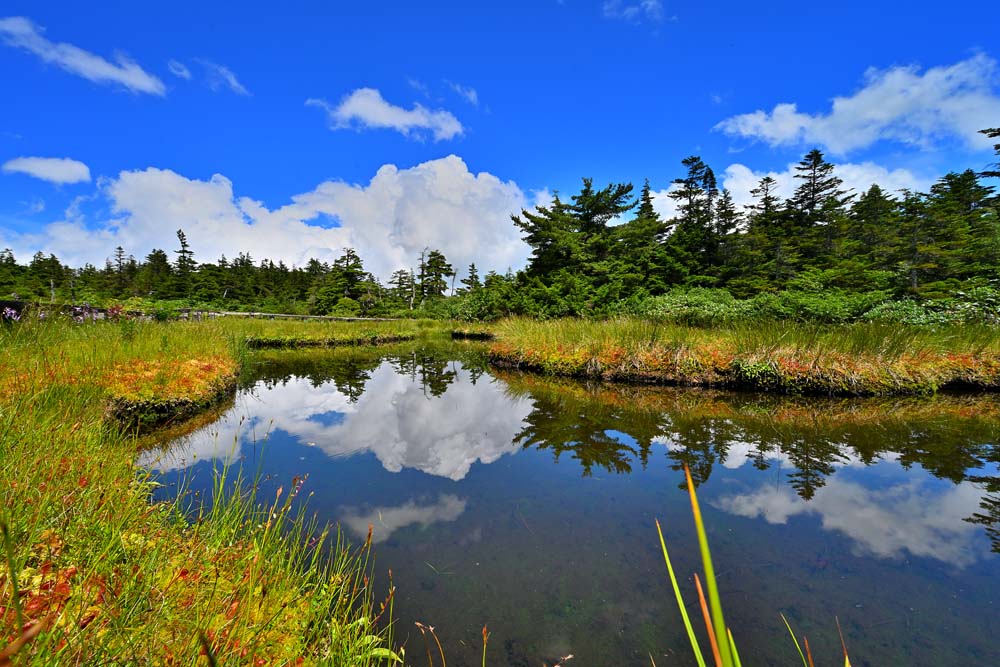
column 528, row 504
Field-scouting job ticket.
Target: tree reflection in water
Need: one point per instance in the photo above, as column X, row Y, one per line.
column 612, row 427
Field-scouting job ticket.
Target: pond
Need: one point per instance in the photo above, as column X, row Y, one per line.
column 527, row 504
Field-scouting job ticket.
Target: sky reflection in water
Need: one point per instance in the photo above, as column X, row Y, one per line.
column 527, row 503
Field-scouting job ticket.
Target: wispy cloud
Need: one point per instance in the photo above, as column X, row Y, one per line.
column 179, row 69
column 895, row 104
column 468, row 92
column 366, row 108
column 644, row 10
column 220, row 76
column 20, row 32
column 419, row 86
column 52, row 169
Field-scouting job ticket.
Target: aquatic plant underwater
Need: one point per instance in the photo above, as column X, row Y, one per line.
column 720, row 636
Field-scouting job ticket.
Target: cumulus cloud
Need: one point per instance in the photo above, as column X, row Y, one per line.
column 366, row 108
column 20, row 32
column 220, row 77
column 740, row 179
column 52, row 169
column 906, row 518
column 179, row 69
column 399, row 212
column 387, row 520
column 651, row 10
column 899, row 104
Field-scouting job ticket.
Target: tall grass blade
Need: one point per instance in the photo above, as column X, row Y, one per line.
column 486, row 639
column 708, row 622
column 843, row 644
column 680, row 600
column 16, row 594
column 732, row 645
column 797, row 647
column 718, row 621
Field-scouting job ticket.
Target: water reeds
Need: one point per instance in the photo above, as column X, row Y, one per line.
column 720, row 636
column 95, row 573
column 858, row 359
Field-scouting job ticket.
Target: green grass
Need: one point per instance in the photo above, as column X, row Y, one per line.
column 785, row 357
column 720, row 636
column 103, row 575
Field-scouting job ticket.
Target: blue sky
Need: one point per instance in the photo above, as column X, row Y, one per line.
column 389, row 126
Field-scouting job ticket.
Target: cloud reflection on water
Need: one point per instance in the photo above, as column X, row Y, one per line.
column 386, row 520
column 916, row 516
column 394, row 419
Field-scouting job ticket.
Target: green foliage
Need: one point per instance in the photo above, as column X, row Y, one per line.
column 139, row 582
column 824, row 255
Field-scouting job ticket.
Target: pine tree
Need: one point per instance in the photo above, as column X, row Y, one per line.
column 185, row 265
column 819, row 185
column 472, row 282
column 819, row 205
column 436, row 271
column 873, row 224
column 992, row 133
column 349, row 272
column 694, row 240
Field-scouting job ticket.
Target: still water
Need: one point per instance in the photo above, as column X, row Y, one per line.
column 527, row 504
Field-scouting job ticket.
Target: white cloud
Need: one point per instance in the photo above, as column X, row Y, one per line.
column 906, row 518
column 387, row 520
column 52, row 169
column 896, row 104
column 220, row 76
column 366, row 108
column 651, row 10
column 22, row 33
column 468, row 92
column 437, row 204
column 740, row 180
column 665, row 207
column 179, row 69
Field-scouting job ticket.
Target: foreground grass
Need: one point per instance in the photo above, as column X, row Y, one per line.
column 857, row 359
column 93, row 573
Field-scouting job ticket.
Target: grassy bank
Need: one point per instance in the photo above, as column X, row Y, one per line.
column 846, row 360
column 262, row 334
column 93, row 573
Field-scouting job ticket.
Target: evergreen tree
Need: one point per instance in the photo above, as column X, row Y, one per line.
column 992, row 133
column 471, row 282
column 436, row 271
column 155, row 276
column 694, row 241
column 403, row 287
column 819, row 185
column 185, row 265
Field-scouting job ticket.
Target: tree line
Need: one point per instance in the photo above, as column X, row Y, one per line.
column 604, row 247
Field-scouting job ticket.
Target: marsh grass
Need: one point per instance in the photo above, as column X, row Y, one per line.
column 720, row 636
column 785, row 357
column 105, row 576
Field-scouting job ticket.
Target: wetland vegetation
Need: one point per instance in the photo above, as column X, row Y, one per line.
column 827, row 297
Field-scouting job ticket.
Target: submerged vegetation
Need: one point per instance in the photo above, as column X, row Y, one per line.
column 93, row 573
column 860, row 359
